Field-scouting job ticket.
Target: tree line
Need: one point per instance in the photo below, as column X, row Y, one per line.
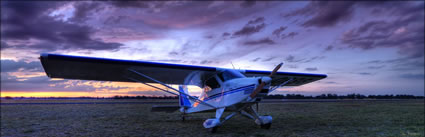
column 348, row 96
column 276, row 96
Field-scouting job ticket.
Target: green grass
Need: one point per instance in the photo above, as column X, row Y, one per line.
column 374, row 119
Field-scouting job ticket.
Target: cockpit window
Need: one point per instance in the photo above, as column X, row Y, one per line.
column 230, row 74
column 212, row 83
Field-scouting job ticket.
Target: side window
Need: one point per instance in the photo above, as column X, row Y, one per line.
column 220, row 75
column 212, row 83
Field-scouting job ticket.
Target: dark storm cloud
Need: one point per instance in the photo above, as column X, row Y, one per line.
column 279, row 33
column 85, row 9
column 131, row 4
column 253, row 26
column 311, row 69
column 163, row 15
column 264, row 41
column 13, row 66
column 248, row 30
column 406, row 31
column 29, row 20
column 325, row 13
column 408, row 38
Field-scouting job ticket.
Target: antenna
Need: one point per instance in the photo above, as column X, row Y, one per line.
column 232, row 65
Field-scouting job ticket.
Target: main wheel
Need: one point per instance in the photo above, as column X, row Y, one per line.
column 266, row 126
column 214, row 129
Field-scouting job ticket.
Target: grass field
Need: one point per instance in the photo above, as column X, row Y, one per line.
column 383, row 118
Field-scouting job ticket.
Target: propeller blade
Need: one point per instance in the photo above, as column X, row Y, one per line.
column 258, row 89
column 276, row 69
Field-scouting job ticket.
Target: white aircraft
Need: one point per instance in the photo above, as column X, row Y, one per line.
column 230, row 90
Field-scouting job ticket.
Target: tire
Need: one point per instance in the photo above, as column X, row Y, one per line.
column 266, row 126
column 214, row 129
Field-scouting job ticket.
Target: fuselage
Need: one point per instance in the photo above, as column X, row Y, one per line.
column 229, row 92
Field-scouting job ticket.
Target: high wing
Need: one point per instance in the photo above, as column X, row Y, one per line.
column 102, row 69
column 298, row 79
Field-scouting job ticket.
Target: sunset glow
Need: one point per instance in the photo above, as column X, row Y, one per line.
column 363, row 47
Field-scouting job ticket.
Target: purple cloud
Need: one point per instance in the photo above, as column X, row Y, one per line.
column 325, row 13
column 311, row 69
column 264, row 41
column 22, row 21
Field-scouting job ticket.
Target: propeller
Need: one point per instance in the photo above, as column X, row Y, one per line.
column 263, row 83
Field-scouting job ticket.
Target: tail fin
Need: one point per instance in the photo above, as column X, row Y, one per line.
column 183, row 99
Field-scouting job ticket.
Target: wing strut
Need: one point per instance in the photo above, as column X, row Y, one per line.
column 145, row 76
column 284, row 83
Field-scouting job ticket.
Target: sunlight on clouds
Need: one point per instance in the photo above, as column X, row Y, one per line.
column 63, row 13
column 56, row 94
column 25, row 75
column 101, row 87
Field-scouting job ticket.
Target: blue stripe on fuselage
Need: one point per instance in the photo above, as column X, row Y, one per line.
column 245, row 88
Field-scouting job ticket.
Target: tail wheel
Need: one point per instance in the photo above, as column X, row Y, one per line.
column 214, row 129
column 266, row 126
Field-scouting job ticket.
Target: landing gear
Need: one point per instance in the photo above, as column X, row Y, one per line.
column 213, row 129
column 264, row 121
column 266, row 126
column 213, row 123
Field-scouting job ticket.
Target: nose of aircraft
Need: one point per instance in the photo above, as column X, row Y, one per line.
column 266, row 80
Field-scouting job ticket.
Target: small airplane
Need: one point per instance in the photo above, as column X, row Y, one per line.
column 230, row 90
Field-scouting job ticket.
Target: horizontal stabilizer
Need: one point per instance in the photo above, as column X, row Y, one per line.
column 168, row 109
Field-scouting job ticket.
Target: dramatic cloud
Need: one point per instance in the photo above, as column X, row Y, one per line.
column 372, row 47
column 22, row 21
column 311, row 69
column 279, row 33
column 292, row 59
column 264, row 41
column 364, row 73
column 407, row 34
column 329, row 48
column 325, row 13
column 85, row 9
column 413, row 76
column 133, row 4
column 12, row 66
column 253, row 26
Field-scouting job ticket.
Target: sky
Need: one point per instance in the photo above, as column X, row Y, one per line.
column 364, row 47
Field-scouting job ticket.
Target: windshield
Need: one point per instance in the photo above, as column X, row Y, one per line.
column 230, row 74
